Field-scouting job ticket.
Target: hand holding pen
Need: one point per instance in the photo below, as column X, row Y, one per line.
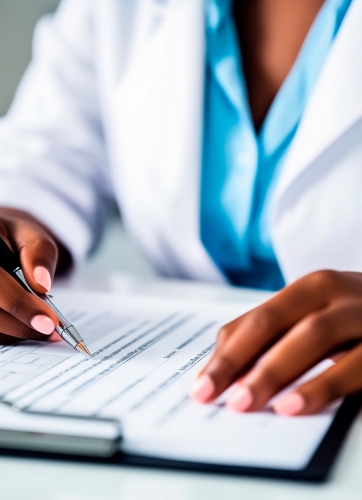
column 28, row 259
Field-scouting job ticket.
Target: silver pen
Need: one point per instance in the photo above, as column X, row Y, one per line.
column 66, row 329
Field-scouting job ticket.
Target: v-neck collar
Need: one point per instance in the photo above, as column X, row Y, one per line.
column 287, row 107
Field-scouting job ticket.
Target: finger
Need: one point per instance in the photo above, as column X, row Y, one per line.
column 308, row 343
column 6, row 340
column 245, row 339
column 223, row 335
column 337, row 356
column 38, row 253
column 12, row 330
column 343, row 378
column 24, row 306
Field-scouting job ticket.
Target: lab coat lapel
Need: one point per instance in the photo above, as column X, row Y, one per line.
column 160, row 113
column 335, row 105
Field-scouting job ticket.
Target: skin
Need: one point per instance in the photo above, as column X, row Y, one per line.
column 36, row 247
column 263, row 351
column 320, row 315
column 271, row 34
column 266, row 349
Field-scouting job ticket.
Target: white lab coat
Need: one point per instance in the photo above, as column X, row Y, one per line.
column 112, row 106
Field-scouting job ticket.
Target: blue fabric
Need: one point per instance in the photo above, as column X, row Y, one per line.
column 240, row 167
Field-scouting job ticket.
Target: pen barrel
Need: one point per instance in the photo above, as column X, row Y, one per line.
column 69, row 335
column 65, row 322
column 65, row 329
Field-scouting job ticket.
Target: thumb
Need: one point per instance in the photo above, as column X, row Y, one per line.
column 38, row 254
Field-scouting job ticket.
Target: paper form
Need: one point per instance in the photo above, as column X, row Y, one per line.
column 147, row 353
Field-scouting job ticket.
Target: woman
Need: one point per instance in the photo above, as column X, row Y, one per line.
column 229, row 134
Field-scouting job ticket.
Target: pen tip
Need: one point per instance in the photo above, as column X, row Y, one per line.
column 84, row 349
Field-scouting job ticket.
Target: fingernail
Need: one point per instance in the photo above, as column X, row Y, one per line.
column 42, row 324
column 289, row 405
column 42, row 276
column 202, row 389
column 241, row 399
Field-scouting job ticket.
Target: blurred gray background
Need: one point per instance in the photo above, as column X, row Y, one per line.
column 17, row 21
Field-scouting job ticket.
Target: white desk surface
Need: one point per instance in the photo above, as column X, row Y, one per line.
column 27, row 479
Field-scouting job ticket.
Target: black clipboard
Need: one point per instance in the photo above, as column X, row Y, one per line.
column 317, row 469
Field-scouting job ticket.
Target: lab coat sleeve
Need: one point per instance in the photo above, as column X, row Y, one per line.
column 53, row 161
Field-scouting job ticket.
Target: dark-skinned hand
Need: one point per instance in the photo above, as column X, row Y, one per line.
column 268, row 348
column 22, row 315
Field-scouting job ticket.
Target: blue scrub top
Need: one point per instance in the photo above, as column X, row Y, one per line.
column 240, row 167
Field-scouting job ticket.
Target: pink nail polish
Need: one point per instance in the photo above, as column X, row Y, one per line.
column 241, row 399
column 289, row 405
column 42, row 276
column 202, row 389
column 42, row 324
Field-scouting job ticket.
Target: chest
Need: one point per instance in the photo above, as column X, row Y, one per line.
column 152, row 97
column 271, row 34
